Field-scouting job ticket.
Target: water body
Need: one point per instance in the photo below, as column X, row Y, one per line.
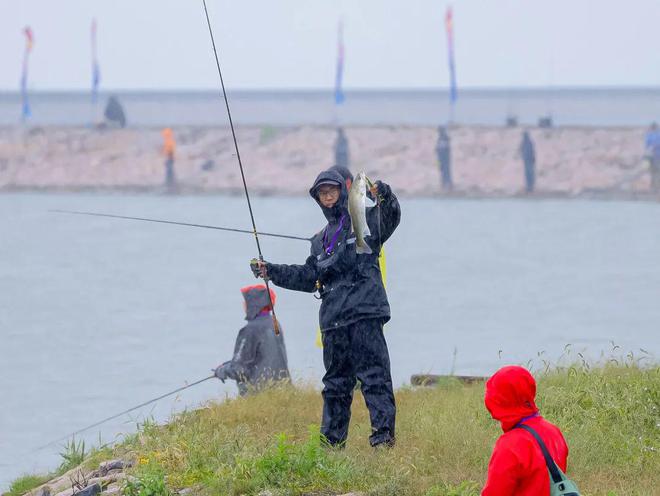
column 568, row 107
column 98, row 315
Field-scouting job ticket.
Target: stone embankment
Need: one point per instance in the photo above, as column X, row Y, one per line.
column 107, row 479
column 283, row 161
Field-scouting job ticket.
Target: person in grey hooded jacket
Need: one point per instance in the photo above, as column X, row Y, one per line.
column 259, row 354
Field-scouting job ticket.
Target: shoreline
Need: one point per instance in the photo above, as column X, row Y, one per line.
column 600, row 196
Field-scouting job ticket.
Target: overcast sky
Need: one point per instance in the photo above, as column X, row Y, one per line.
column 164, row 44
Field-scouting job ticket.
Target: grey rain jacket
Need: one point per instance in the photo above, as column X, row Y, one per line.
column 259, row 355
column 350, row 285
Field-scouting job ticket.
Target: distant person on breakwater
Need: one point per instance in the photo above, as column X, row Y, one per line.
column 518, row 465
column 114, row 112
column 652, row 144
column 341, row 149
column 528, row 154
column 259, row 357
column 169, row 147
column 443, row 152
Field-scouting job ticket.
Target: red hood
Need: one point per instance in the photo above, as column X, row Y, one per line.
column 256, row 300
column 510, row 394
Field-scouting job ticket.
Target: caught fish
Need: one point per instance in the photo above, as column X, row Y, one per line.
column 358, row 202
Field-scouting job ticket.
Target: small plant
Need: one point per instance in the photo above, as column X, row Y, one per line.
column 467, row 488
column 73, row 455
column 78, row 481
column 150, row 482
column 311, row 465
column 26, row 483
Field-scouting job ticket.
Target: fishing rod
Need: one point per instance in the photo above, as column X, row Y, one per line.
column 160, row 221
column 96, row 424
column 276, row 325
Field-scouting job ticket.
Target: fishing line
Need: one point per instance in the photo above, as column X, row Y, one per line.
column 276, row 326
column 188, row 224
column 96, row 424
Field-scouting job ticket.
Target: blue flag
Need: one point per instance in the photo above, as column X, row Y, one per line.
column 26, row 111
column 449, row 25
column 96, row 73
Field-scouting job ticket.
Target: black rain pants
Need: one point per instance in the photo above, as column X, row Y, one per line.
column 357, row 351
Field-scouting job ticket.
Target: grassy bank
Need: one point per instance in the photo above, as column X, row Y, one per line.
column 610, row 416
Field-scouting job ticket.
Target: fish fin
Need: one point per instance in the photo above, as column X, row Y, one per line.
column 368, row 202
column 361, row 250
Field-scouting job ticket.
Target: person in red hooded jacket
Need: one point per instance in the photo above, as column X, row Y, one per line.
column 517, row 466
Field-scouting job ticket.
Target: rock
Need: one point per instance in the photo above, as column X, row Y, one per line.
column 105, row 467
column 66, row 492
column 91, row 490
column 113, row 490
column 58, row 486
column 185, row 490
column 111, row 467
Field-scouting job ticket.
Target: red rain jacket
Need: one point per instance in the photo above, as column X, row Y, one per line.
column 517, row 467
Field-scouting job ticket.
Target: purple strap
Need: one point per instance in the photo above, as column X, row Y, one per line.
column 331, row 246
column 525, row 419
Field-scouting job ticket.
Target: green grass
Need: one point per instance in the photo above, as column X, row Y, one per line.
column 610, row 416
column 25, row 483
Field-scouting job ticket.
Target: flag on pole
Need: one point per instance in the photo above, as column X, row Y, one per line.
column 96, row 73
column 29, row 42
column 449, row 26
column 339, row 92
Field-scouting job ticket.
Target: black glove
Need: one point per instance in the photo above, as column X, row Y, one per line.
column 221, row 372
column 383, row 189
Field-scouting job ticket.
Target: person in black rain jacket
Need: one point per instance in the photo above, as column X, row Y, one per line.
column 354, row 307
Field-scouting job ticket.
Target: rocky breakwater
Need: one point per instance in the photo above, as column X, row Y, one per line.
column 486, row 161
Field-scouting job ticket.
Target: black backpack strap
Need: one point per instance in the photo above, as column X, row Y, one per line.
column 550, row 463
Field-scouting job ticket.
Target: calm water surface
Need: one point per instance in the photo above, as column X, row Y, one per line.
column 97, row 315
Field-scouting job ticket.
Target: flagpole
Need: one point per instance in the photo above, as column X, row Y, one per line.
column 95, row 75
column 339, row 73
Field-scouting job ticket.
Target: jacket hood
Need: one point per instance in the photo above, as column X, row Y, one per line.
column 343, row 171
column 510, row 394
column 256, row 300
column 335, row 212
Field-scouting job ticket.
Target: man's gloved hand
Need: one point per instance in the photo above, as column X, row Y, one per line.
column 382, row 189
column 258, row 268
column 379, row 189
column 221, row 372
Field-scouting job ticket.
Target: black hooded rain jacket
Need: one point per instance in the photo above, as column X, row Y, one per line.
column 350, row 285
